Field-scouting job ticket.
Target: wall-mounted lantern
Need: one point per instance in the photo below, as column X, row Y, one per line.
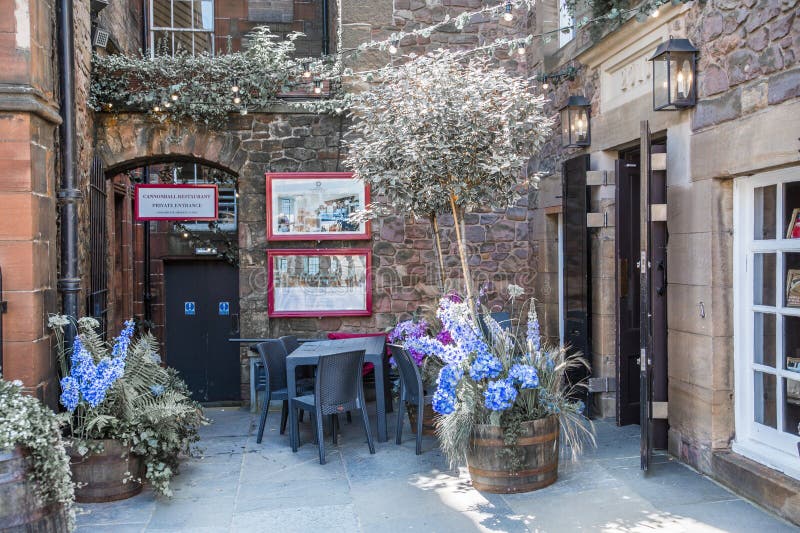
column 674, row 75
column 575, row 122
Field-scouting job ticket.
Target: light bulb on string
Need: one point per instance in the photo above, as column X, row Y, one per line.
column 654, row 14
column 174, row 97
column 185, row 235
column 545, row 86
column 235, row 87
column 508, row 15
column 317, row 87
column 237, row 100
column 521, row 50
column 393, row 47
column 157, row 109
column 306, row 69
column 167, row 104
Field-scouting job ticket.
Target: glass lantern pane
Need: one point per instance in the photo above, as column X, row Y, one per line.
column 764, row 206
column 791, row 406
column 764, row 339
column 581, row 130
column 791, row 210
column 565, row 140
column 681, row 78
column 660, row 83
column 765, row 406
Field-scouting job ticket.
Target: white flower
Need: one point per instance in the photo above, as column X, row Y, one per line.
column 57, row 321
column 88, row 322
column 515, row 291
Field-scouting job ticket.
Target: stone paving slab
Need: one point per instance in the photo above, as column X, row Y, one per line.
column 241, row 486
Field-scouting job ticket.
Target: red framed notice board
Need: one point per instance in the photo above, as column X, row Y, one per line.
column 319, row 282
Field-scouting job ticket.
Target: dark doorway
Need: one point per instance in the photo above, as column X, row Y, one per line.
column 577, row 275
column 629, row 296
column 202, row 314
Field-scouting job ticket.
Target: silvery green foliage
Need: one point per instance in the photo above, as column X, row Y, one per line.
column 441, row 125
column 25, row 422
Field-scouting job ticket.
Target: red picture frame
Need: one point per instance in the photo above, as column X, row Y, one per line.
column 142, row 186
column 337, row 217
column 309, row 288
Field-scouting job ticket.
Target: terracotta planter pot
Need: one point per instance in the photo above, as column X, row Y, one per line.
column 428, row 420
column 537, row 449
column 99, row 477
column 20, row 509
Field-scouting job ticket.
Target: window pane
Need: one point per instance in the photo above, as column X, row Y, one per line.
column 764, row 399
column 791, row 342
column 791, row 406
column 792, row 277
column 791, row 210
column 204, row 15
column 203, row 43
column 182, row 14
column 162, row 14
column 764, row 335
column 764, row 279
column 183, row 42
column 764, row 208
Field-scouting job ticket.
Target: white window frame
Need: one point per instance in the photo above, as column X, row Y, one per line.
column 154, row 29
column 225, row 195
column 771, row 447
column 564, row 20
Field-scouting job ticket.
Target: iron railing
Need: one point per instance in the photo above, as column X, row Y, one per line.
column 97, row 299
column 3, row 309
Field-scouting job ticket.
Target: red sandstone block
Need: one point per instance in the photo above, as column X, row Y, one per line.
column 31, row 362
column 18, row 212
column 14, row 61
column 15, row 174
column 24, row 320
column 7, row 18
column 25, row 265
column 15, row 127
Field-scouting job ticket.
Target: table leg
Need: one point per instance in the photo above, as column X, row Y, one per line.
column 253, row 397
column 380, row 401
column 292, row 392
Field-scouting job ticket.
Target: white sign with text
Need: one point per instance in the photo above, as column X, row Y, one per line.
column 176, row 202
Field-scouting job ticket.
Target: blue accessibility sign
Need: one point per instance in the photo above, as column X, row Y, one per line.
column 189, row 308
column 224, row 308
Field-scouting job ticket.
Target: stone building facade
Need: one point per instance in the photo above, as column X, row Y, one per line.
column 727, row 402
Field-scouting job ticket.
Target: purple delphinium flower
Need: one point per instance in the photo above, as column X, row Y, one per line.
column 525, row 375
column 407, row 330
column 444, row 337
column 500, row 395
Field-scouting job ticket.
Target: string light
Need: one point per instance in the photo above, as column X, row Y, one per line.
column 157, row 109
column 235, row 87
column 508, row 16
column 166, row 104
column 545, row 86
column 237, row 100
column 306, row 69
column 654, row 14
column 521, row 50
column 393, row 47
column 317, row 87
column 242, row 111
column 185, row 235
column 174, row 97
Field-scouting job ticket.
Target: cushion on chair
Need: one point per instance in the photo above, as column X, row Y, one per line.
column 336, row 335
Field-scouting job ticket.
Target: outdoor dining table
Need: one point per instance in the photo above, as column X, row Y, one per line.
column 308, row 354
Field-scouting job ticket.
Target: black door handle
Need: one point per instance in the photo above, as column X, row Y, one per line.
column 235, row 323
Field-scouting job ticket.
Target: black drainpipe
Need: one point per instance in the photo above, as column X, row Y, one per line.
column 69, row 283
column 326, row 42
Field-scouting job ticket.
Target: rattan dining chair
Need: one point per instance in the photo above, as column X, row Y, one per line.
column 411, row 391
column 290, row 342
column 273, row 360
column 338, row 389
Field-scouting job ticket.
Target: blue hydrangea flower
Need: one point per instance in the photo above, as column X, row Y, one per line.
column 525, row 375
column 500, row 395
column 444, row 402
column 449, row 376
column 70, row 395
column 485, row 366
column 157, row 390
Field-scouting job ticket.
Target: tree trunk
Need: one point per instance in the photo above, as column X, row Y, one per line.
column 438, row 246
column 462, row 252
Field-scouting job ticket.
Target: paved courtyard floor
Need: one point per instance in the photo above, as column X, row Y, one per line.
column 242, row 486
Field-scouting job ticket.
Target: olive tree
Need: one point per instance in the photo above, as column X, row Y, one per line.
column 445, row 131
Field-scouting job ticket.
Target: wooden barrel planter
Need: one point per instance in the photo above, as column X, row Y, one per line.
column 99, row 477
column 20, row 509
column 428, row 420
column 537, row 449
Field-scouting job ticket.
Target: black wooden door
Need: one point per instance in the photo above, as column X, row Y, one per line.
column 202, row 314
column 577, row 278
column 627, row 244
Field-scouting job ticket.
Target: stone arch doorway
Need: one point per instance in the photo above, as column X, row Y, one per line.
column 180, row 277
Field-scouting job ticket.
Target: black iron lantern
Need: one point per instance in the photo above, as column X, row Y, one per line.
column 575, row 122
column 674, row 75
